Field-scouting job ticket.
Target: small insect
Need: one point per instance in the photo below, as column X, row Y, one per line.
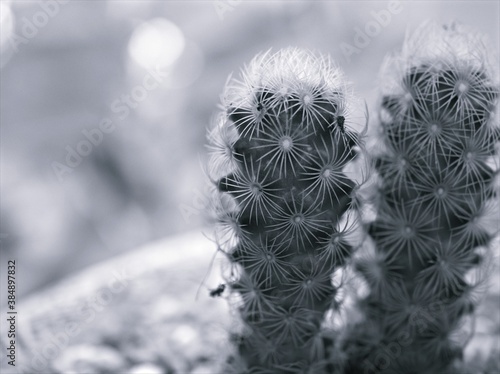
column 218, row 291
column 340, row 123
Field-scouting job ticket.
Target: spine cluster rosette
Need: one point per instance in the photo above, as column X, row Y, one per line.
column 286, row 162
column 436, row 199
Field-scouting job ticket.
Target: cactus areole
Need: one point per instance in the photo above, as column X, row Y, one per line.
column 282, row 157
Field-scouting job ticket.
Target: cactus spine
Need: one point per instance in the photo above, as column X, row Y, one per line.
column 436, row 201
column 281, row 158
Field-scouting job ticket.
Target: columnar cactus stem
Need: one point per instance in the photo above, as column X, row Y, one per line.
column 282, row 158
column 436, row 202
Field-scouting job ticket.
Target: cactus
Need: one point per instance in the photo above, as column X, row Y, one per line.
column 436, row 203
column 286, row 162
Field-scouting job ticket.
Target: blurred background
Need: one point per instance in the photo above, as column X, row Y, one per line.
column 104, row 106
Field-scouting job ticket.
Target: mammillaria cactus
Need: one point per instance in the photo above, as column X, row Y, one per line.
column 286, row 162
column 436, row 203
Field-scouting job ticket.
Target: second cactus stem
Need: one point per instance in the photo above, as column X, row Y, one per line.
column 281, row 158
column 436, row 202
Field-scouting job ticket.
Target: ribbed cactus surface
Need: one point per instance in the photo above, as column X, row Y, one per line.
column 282, row 157
column 436, row 200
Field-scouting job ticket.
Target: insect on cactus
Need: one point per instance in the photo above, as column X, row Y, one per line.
column 286, row 161
column 436, row 201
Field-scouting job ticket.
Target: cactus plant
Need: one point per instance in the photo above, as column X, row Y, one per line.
column 436, row 203
column 285, row 158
